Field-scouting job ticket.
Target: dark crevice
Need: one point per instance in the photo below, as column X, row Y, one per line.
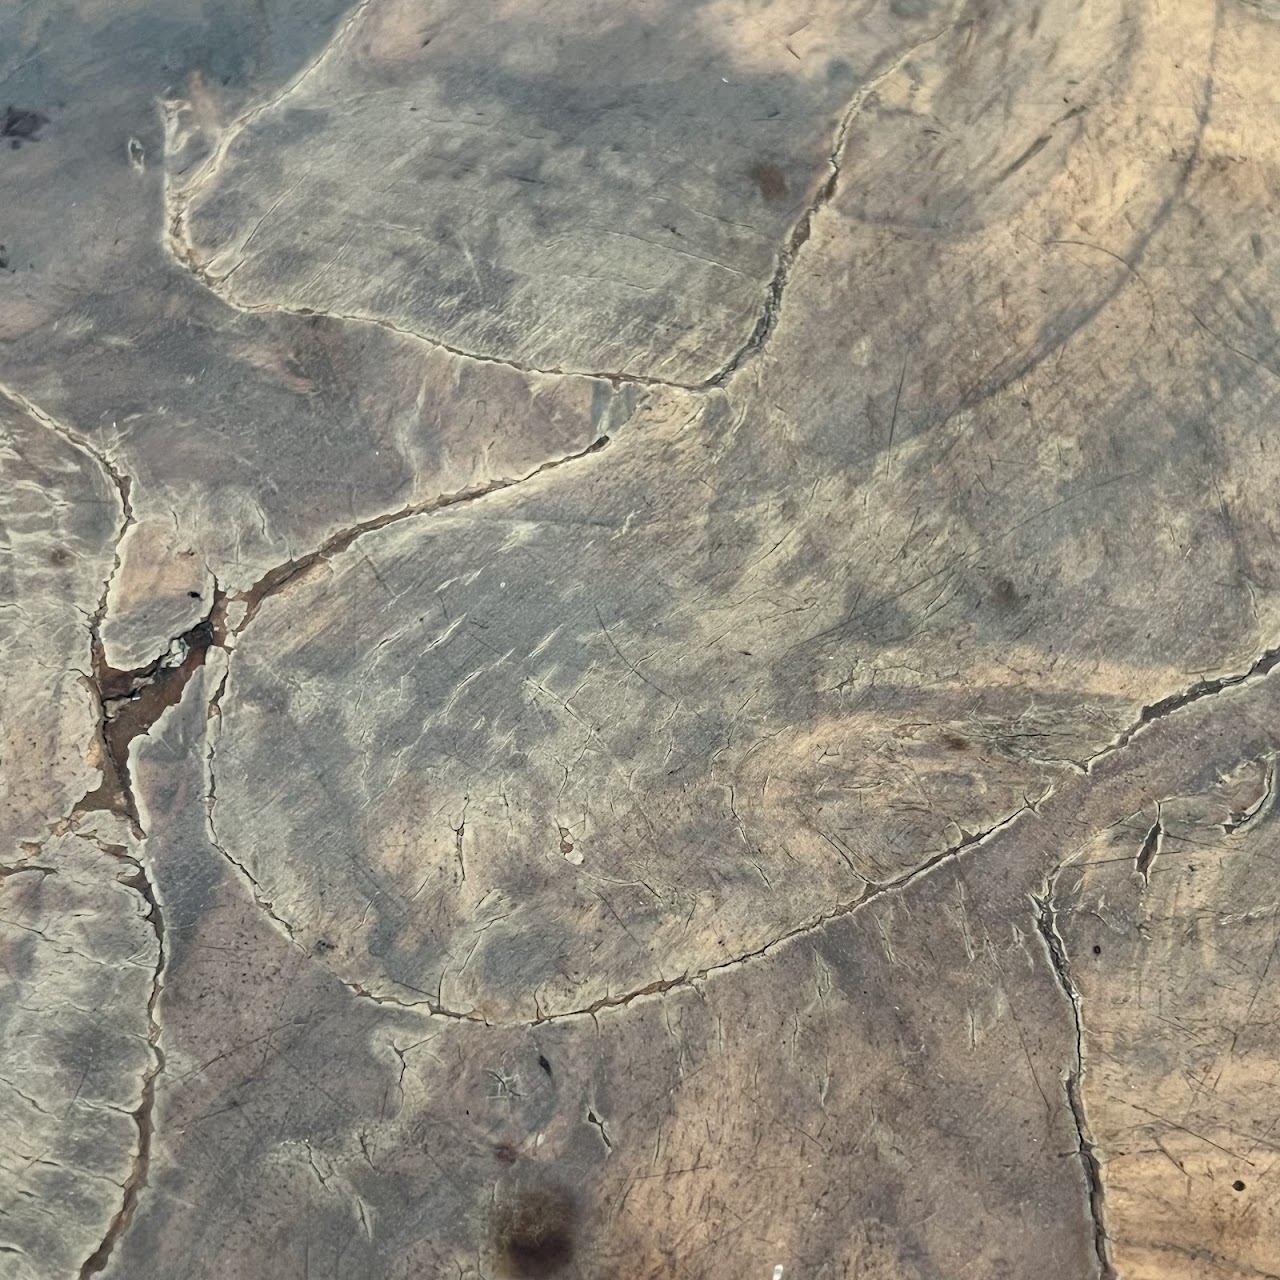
column 130, row 702
column 593, row 1119
column 1265, row 663
column 143, row 1116
column 107, row 685
column 1046, row 922
column 24, row 867
column 1150, row 849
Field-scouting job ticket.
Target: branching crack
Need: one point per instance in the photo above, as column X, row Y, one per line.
column 1264, row 664
column 595, row 1120
column 869, row 895
column 130, row 702
column 113, row 793
column 213, row 631
column 1047, row 926
column 424, row 1005
column 138, row 880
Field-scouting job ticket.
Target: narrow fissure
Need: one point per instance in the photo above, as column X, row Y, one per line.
column 1047, row 926
column 143, row 1115
column 275, row 580
column 872, row 892
column 1265, row 663
column 1150, row 850
column 801, row 232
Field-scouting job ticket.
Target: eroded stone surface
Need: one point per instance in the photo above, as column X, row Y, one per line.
column 610, row 190
column 632, row 1110
column 658, row 818
column 250, row 440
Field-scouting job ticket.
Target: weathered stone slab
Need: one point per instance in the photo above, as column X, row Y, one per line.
column 638, row 641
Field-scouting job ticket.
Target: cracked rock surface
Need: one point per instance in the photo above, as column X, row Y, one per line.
column 639, row 640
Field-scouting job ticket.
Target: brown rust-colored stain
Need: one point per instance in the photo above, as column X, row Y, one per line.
column 770, row 181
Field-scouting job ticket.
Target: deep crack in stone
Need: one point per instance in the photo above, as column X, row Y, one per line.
column 1046, row 921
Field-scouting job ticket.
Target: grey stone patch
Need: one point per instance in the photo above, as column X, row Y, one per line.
column 81, row 957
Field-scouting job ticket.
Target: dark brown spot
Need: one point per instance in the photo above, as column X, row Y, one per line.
column 770, row 181
column 1237, row 1185
column 533, row 1231
column 505, row 1152
column 954, row 742
column 1004, row 593
column 59, row 555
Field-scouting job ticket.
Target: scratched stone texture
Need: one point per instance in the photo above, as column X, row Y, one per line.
column 639, row 641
